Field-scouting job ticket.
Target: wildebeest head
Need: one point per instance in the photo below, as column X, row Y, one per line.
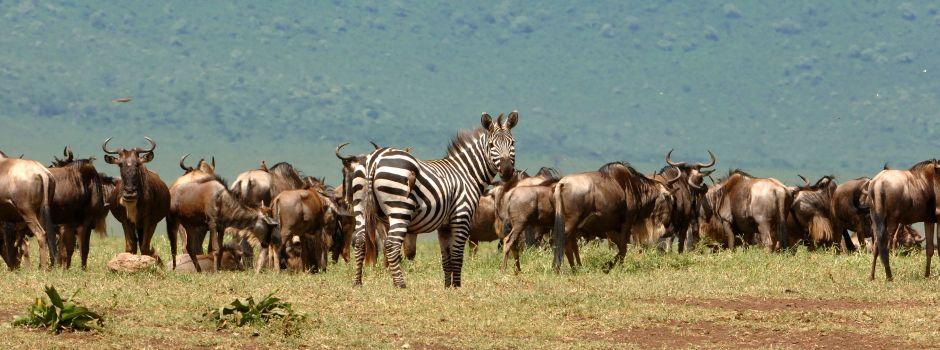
column 695, row 172
column 351, row 164
column 131, row 162
column 501, row 143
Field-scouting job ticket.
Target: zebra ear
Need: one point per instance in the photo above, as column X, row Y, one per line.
column 486, row 121
column 499, row 121
column 512, row 120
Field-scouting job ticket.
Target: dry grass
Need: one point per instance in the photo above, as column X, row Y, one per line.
column 724, row 300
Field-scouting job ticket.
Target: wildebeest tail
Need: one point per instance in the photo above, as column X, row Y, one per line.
column 558, row 229
column 784, row 200
column 172, row 229
column 47, row 189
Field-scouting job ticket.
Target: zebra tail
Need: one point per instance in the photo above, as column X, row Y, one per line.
column 370, row 219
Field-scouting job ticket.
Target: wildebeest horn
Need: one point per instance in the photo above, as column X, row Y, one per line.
column 693, row 185
column 153, row 146
column 213, row 162
column 264, row 166
column 374, row 144
column 104, row 147
column 805, row 182
column 678, row 175
column 67, row 152
column 183, row 165
column 885, row 167
column 712, row 163
column 670, row 162
column 342, row 158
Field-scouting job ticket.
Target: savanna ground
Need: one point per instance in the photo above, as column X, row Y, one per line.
column 745, row 299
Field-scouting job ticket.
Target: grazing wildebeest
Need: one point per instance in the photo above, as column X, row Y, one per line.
column 26, row 195
column 418, row 196
column 524, row 209
column 616, row 201
column 812, row 212
column 900, row 197
column 231, row 261
column 305, row 214
column 755, row 208
column 683, row 225
column 140, row 200
column 78, row 205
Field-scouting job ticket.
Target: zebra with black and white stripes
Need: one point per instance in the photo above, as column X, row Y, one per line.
column 417, row 196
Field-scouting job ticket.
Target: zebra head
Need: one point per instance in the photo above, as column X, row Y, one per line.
column 500, row 143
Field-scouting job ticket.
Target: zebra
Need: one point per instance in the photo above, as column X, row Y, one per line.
column 417, row 196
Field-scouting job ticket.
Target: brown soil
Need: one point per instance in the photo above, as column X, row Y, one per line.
column 708, row 334
column 770, row 304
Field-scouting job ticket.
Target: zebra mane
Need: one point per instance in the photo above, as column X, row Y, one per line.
column 463, row 137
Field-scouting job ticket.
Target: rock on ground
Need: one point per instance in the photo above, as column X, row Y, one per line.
column 130, row 263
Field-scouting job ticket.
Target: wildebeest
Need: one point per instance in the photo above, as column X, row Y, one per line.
column 900, row 197
column 263, row 184
column 353, row 167
column 231, row 261
column 616, row 201
column 525, row 208
column 26, row 195
column 755, row 208
column 303, row 213
column 812, row 212
column 78, row 205
column 683, row 225
column 193, row 179
column 850, row 208
column 140, row 200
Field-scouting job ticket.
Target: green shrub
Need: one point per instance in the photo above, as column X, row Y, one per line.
column 246, row 311
column 57, row 314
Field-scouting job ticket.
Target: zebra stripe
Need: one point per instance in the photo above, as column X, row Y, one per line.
column 417, row 196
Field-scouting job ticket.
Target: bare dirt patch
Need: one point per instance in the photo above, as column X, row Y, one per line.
column 709, row 334
column 772, row 304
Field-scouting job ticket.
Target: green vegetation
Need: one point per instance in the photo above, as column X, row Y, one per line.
column 772, row 87
column 57, row 314
column 701, row 299
column 246, row 312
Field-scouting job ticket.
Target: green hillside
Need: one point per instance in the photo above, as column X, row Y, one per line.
column 773, row 87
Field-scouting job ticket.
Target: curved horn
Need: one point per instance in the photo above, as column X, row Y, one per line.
column 342, row 158
column 678, row 176
column 213, row 162
column 670, row 162
column 374, row 144
column 805, row 182
column 183, row 165
column 104, row 147
column 67, row 152
column 710, row 164
column 153, row 146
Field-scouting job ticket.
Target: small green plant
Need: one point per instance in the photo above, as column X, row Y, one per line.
column 57, row 314
column 246, row 311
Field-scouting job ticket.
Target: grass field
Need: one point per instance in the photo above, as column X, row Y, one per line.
column 747, row 299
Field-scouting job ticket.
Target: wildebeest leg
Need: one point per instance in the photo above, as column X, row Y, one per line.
column 217, row 231
column 444, row 238
column 883, row 251
column 619, row 239
column 146, row 231
column 729, row 234
column 130, row 237
column 67, row 232
column 928, row 236
column 33, row 223
column 411, row 246
column 509, row 246
column 193, row 245
column 766, row 235
column 84, row 243
column 571, row 250
column 10, row 237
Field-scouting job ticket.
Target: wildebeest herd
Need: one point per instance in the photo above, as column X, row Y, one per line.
column 388, row 196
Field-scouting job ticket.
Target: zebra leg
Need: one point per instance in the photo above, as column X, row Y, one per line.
column 461, row 230
column 359, row 246
column 398, row 229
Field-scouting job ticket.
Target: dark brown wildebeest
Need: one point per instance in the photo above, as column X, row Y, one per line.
column 616, row 201
column 903, row 197
column 193, row 178
column 78, row 206
column 755, row 208
column 683, row 225
column 483, row 225
column 140, row 200
column 304, row 214
column 814, row 217
column 26, row 195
